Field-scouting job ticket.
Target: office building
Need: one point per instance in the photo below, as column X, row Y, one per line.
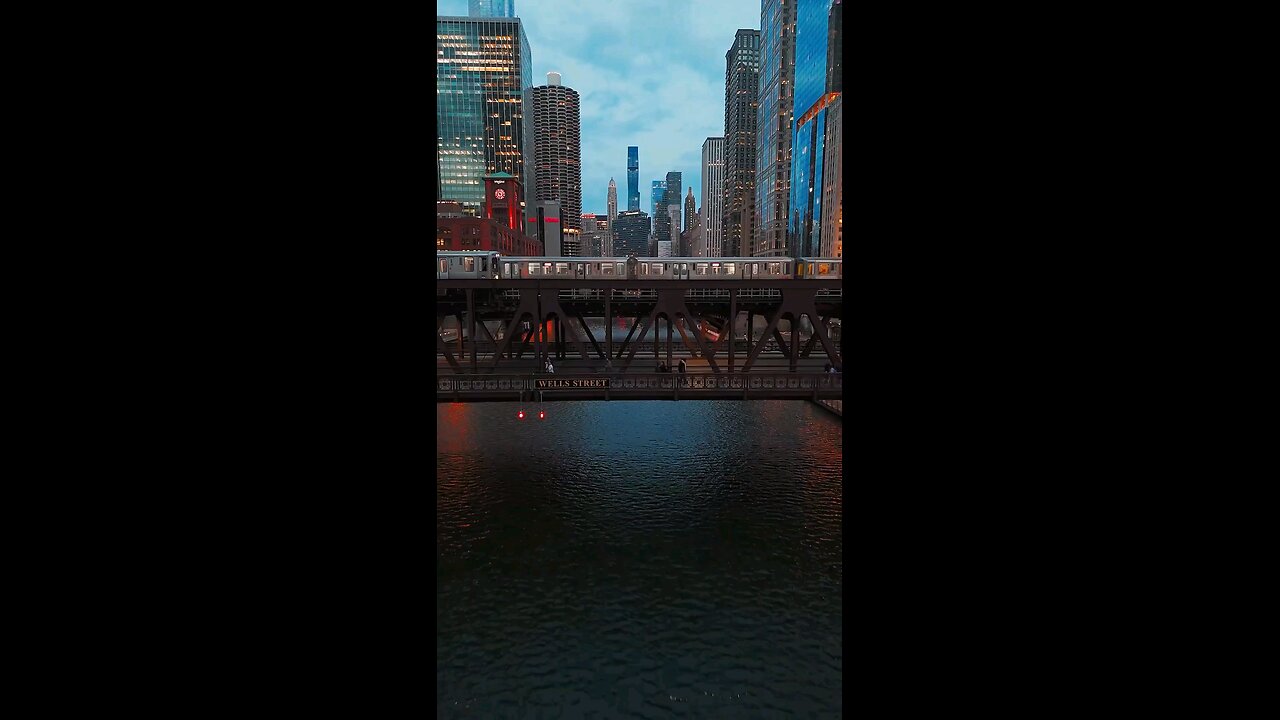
column 656, row 193
column 673, row 228
column 497, row 229
column 670, row 198
column 817, row 37
column 690, row 209
column 712, row 196
column 691, row 239
column 482, row 69
column 548, row 225
column 633, row 178
column 557, row 151
column 832, row 239
column 741, row 91
column 492, row 8
column 773, row 126
column 613, row 202
column 631, row 234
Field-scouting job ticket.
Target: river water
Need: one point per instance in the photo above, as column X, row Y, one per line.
column 639, row 559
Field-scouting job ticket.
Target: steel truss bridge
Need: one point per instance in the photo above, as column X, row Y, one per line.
column 650, row 386
column 684, row 305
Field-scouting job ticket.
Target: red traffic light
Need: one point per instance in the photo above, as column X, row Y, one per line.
column 542, row 415
column 520, row 414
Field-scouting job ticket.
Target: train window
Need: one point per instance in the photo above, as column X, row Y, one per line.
column 533, row 268
column 484, row 264
column 700, row 269
column 755, row 269
column 644, row 269
column 730, row 268
column 775, row 268
column 588, row 268
column 824, row 268
column 786, row 268
column 443, row 263
column 546, row 268
column 621, row 268
column 606, row 268
column 562, row 268
column 657, row 268
column 469, row 264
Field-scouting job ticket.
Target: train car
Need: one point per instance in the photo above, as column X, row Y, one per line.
column 467, row 264
column 648, row 268
column 819, row 268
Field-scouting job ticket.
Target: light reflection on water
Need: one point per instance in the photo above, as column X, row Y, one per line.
column 639, row 559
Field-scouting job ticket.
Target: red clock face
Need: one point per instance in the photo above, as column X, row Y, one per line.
column 499, row 193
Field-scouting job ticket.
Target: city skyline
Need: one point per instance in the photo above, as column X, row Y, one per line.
column 663, row 94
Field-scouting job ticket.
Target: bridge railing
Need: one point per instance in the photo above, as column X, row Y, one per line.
column 764, row 384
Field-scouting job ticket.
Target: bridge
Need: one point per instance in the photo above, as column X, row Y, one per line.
column 639, row 386
column 543, row 317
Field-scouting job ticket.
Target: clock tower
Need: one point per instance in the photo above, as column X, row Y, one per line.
column 504, row 201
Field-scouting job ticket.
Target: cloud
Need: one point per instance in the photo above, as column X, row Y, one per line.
column 649, row 74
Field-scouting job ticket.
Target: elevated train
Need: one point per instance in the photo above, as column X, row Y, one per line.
column 455, row 265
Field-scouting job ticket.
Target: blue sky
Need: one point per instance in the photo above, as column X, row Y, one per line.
column 650, row 73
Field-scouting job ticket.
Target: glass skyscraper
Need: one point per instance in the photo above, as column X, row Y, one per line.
column 492, row 8
column 631, row 237
column 670, row 198
column 658, row 190
column 633, row 178
column 741, row 105
column 773, row 126
column 483, row 68
column 816, row 22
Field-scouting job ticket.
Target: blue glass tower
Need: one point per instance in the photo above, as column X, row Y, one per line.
column 492, row 8
column 633, row 178
column 816, row 23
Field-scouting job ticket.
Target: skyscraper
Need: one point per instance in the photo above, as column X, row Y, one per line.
column 633, row 178
column 773, row 125
column 741, row 90
column 613, row 203
column 690, row 209
column 712, row 196
column 670, row 198
column 817, row 29
column 492, row 8
column 480, row 111
column 656, row 192
column 557, row 151
column 631, row 237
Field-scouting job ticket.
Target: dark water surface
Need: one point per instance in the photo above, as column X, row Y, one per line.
column 639, row 559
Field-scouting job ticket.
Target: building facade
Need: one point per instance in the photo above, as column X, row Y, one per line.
column 656, row 192
column 712, row 196
column 817, row 36
column 631, row 234
column 773, row 126
column 832, row 242
column 691, row 239
column 662, row 213
column 690, row 209
column 741, row 92
column 457, row 229
column 557, row 151
column 482, row 70
column 492, row 8
column 633, row 178
column 613, row 202
column 548, row 223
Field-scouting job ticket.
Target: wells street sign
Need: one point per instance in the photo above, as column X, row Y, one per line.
column 602, row 383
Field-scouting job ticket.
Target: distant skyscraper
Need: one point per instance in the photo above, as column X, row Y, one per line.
column 656, row 192
column 741, row 89
column 690, row 209
column 670, row 198
column 480, row 113
column 817, row 30
column 633, row 178
column 557, row 151
column 613, row 202
column 691, row 239
column 631, row 234
column 712, row 196
column 492, row 8
column 773, row 125
column 673, row 229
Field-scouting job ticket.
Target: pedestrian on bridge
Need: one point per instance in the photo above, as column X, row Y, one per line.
column 681, row 368
column 551, row 369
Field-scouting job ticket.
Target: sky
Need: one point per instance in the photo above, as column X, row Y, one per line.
column 649, row 73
